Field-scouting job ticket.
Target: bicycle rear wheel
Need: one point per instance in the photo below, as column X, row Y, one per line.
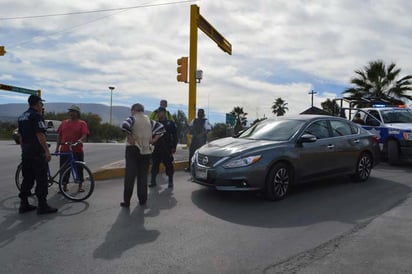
column 72, row 187
column 18, row 177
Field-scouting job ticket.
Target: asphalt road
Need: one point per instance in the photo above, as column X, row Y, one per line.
column 191, row 229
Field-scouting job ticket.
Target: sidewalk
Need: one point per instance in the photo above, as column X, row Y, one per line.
column 116, row 169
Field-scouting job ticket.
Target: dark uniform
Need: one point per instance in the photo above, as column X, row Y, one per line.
column 34, row 161
column 163, row 152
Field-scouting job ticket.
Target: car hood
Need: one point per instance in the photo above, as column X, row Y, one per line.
column 401, row 126
column 232, row 146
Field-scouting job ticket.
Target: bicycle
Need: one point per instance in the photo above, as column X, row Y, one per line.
column 69, row 179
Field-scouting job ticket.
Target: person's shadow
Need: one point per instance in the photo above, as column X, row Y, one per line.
column 127, row 231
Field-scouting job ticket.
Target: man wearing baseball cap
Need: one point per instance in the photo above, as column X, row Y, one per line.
column 35, row 155
column 72, row 130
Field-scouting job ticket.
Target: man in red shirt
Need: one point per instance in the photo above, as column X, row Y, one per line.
column 72, row 130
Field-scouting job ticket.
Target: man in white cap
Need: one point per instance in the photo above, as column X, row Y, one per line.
column 72, row 130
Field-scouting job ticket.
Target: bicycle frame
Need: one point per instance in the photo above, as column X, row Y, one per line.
column 70, row 162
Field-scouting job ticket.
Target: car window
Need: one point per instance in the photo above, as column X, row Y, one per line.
column 319, row 128
column 273, row 130
column 375, row 114
column 340, row 128
column 397, row 116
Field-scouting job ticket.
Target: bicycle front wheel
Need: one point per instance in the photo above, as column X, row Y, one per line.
column 73, row 186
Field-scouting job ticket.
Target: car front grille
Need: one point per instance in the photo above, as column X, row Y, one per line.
column 207, row 161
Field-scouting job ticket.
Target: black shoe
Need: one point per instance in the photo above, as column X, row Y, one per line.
column 124, row 204
column 170, row 185
column 187, row 169
column 26, row 208
column 46, row 210
column 152, row 184
column 142, row 203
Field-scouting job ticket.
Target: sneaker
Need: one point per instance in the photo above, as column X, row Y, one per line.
column 152, row 184
column 124, row 204
column 26, row 208
column 187, row 169
column 46, row 210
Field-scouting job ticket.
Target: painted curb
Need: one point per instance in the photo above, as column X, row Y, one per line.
column 118, row 172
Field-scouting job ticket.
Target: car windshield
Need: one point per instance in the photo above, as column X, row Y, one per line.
column 397, row 116
column 273, row 130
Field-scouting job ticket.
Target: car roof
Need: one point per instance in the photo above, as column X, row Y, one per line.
column 305, row 117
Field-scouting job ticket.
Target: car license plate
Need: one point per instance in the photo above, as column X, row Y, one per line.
column 201, row 173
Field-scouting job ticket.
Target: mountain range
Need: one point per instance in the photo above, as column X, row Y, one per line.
column 10, row 112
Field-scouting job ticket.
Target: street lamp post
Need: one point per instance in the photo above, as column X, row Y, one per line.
column 111, row 98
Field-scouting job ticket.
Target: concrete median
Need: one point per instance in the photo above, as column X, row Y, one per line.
column 116, row 169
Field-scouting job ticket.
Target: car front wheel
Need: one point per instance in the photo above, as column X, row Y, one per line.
column 363, row 168
column 278, row 182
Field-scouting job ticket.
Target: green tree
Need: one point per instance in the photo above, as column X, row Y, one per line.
column 279, row 107
column 330, row 106
column 377, row 81
column 182, row 126
column 241, row 119
column 219, row 130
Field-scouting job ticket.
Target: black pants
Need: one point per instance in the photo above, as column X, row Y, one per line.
column 194, row 145
column 137, row 167
column 165, row 157
column 34, row 170
column 78, row 156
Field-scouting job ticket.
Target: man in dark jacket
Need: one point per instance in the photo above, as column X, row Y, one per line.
column 199, row 128
column 165, row 147
column 35, row 155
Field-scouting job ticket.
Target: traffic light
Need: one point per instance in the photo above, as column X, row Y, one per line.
column 2, row 51
column 182, row 64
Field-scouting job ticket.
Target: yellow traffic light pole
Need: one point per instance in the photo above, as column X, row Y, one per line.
column 194, row 17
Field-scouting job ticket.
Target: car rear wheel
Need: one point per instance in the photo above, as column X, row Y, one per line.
column 363, row 167
column 278, row 182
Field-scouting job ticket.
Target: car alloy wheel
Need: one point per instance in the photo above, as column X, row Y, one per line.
column 363, row 168
column 278, row 182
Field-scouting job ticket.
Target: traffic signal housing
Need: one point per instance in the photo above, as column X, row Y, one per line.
column 182, row 65
column 2, row 51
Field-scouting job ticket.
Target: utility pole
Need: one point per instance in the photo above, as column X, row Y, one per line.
column 111, row 97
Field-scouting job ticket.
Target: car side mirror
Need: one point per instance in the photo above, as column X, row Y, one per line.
column 307, row 138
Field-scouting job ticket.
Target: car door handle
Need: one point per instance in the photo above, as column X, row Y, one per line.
column 356, row 141
column 331, row 146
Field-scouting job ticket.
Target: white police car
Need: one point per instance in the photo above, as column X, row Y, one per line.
column 393, row 126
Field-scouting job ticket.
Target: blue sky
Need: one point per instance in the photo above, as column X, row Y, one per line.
column 279, row 49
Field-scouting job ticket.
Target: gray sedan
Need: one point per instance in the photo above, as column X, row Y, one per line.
column 277, row 153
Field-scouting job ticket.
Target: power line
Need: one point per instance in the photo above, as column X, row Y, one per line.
column 95, row 11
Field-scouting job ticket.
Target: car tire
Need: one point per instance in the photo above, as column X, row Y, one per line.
column 363, row 167
column 393, row 152
column 278, row 182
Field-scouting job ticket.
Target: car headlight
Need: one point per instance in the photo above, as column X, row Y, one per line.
column 241, row 162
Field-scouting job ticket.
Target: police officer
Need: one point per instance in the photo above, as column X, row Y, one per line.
column 35, row 155
column 165, row 147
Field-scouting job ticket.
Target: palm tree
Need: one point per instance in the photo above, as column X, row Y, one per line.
column 241, row 119
column 376, row 81
column 330, row 106
column 279, row 107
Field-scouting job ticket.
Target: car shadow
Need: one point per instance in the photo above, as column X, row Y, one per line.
column 327, row 200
